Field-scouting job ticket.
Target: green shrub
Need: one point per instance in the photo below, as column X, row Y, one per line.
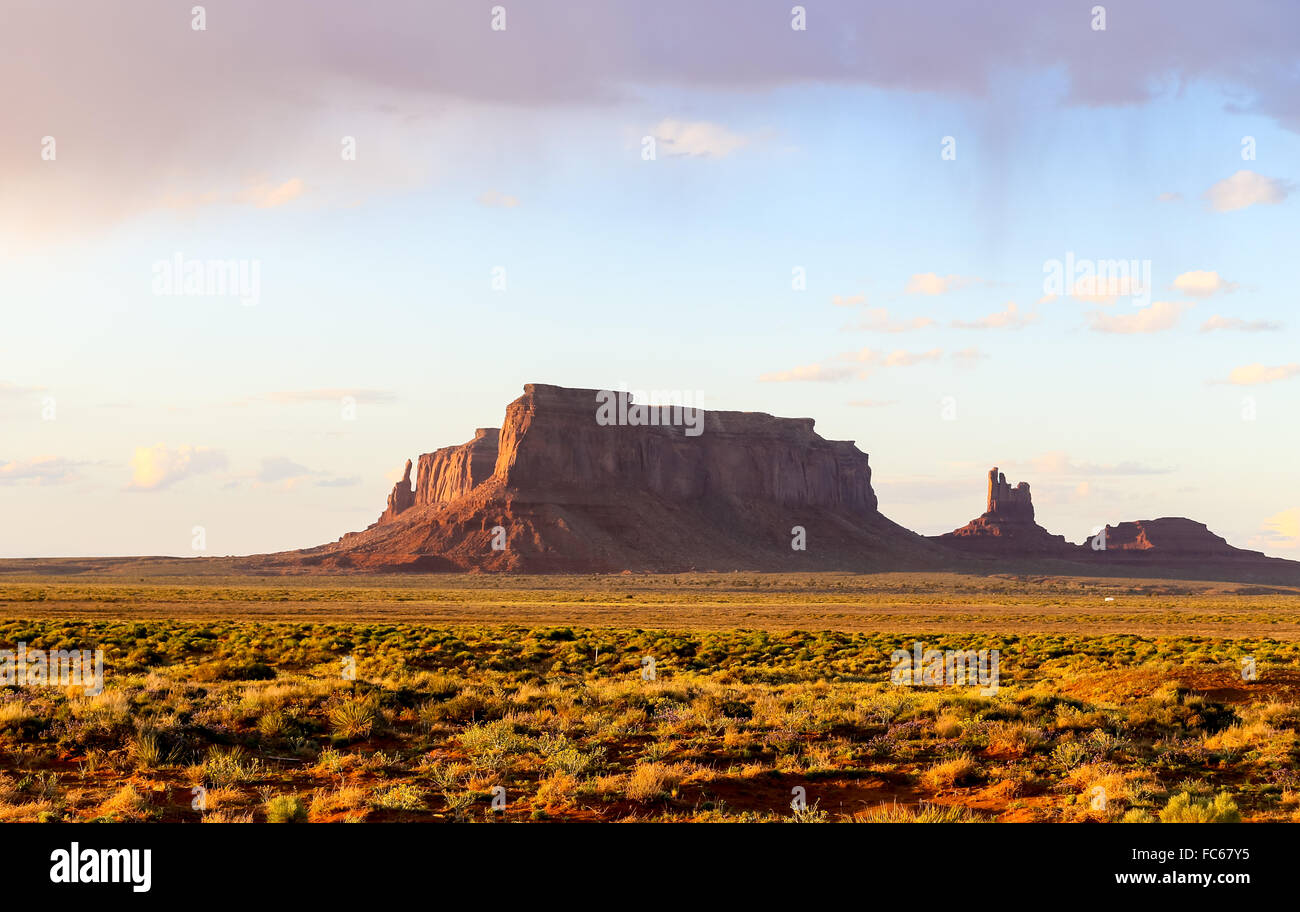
column 354, row 718
column 400, row 797
column 226, row 766
column 1183, row 808
column 1137, row 815
column 286, row 809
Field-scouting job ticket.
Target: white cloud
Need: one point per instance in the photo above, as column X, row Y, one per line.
column 907, row 359
column 14, row 389
column 1218, row 322
column 156, row 468
column 494, row 199
column 266, row 195
column 868, row 357
column 1256, row 374
column 1244, row 189
column 696, row 139
column 1282, row 530
column 257, row 192
column 1160, row 316
column 1106, row 289
column 928, row 283
column 849, row 300
column 1202, row 284
column 878, row 321
column 280, row 468
column 809, row 373
column 896, row 358
column 49, row 470
column 1011, row 318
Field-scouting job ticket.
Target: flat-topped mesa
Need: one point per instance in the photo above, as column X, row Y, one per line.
column 585, row 479
column 590, row 443
column 1006, row 502
column 1170, row 537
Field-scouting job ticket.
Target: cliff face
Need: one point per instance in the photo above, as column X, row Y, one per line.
column 444, row 475
column 552, row 440
column 454, row 471
column 583, row 479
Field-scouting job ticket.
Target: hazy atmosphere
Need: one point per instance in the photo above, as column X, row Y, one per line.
column 858, row 221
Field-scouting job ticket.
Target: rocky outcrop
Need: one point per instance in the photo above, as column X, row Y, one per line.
column 1008, row 503
column 584, row 479
column 401, row 499
column 1007, row 527
column 444, row 475
column 1007, row 532
column 1168, row 537
column 454, row 471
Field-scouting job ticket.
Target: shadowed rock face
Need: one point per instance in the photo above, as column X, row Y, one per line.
column 1008, row 503
column 402, row 498
column 634, row 487
column 1170, row 536
column 1007, row 532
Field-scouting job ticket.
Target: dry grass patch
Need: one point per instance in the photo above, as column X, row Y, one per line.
column 556, row 791
column 346, row 798
column 649, row 781
column 127, row 803
column 230, row 816
column 957, row 771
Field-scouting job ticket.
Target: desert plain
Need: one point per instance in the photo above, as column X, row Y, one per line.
column 481, row 697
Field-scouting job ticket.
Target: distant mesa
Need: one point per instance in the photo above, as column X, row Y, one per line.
column 1171, row 536
column 574, row 494
column 1007, row 531
column 555, row 489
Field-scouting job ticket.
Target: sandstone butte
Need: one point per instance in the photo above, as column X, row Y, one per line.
column 1007, row 529
column 556, row 490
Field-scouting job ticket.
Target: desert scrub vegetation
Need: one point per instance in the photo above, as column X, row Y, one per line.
column 251, row 721
column 286, row 809
column 1184, row 808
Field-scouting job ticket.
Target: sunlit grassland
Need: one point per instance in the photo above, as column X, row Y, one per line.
column 370, row 721
column 847, row 602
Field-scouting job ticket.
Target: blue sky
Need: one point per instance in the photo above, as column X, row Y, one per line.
column 675, row 273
